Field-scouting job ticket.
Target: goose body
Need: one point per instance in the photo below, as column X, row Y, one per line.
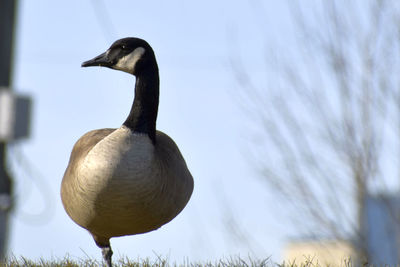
column 133, row 179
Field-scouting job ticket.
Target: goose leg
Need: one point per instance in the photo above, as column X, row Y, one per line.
column 104, row 244
column 107, row 253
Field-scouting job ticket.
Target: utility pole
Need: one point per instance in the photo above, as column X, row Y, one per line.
column 7, row 24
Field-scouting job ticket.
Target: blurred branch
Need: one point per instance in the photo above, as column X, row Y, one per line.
column 327, row 118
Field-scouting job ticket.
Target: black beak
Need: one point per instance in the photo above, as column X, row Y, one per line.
column 100, row 60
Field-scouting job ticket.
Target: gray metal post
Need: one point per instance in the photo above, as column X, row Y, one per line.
column 7, row 22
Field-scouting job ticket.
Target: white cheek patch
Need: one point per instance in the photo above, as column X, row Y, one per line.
column 128, row 62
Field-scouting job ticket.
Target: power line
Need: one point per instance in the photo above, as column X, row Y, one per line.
column 18, row 158
column 104, row 20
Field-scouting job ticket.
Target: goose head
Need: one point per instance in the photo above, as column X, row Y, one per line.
column 131, row 55
column 135, row 56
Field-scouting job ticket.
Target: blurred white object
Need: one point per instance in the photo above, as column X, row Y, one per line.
column 14, row 115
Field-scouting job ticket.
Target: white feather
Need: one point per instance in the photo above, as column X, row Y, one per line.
column 128, row 62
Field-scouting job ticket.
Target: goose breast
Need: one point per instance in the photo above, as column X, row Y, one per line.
column 127, row 185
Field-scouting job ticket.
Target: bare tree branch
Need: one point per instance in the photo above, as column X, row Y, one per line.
column 332, row 116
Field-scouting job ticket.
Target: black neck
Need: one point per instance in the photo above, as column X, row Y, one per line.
column 143, row 115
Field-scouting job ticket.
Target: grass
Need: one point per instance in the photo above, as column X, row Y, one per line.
column 159, row 262
column 125, row 262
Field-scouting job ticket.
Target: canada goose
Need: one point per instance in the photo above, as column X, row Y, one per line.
column 133, row 179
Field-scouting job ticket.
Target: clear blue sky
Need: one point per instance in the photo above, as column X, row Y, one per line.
column 193, row 42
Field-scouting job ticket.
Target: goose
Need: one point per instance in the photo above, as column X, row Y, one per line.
column 132, row 179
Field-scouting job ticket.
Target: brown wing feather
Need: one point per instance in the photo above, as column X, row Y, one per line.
column 85, row 144
column 80, row 150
